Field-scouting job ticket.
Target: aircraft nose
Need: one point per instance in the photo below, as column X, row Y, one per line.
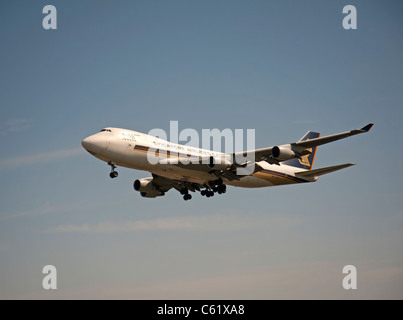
column 85, row 143
column 93, row 144
column 88, row 142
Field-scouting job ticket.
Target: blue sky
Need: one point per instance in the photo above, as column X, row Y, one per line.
column 279, row 67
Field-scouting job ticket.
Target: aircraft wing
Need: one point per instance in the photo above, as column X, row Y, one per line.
column 223, row 166
column 300, row 148
column 157, row 185
column 323, row 140
column 264, row 154
column 164, row 184
column 220, row 166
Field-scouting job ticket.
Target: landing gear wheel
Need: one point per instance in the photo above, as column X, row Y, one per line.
column 203, row 192
column 113, row 174
column 187, row 197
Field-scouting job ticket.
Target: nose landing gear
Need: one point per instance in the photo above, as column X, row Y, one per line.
column 113, row 173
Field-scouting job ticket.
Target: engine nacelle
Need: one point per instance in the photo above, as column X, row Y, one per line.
column 147, row 188
column 218, row 163
column 144, row 185
column 283, row 153
column 152, row 194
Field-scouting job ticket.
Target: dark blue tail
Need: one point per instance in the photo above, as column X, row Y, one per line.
column 306, row 162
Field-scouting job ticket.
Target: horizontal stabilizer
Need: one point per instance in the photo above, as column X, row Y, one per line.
column 321, row 171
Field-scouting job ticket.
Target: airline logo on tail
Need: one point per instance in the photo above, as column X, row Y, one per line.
column 304, row 160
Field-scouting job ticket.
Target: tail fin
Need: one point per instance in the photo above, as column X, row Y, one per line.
column 305, row 162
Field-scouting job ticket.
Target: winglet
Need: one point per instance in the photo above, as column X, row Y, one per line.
column 367, row 127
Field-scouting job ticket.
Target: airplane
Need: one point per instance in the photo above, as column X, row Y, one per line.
column 209, row 172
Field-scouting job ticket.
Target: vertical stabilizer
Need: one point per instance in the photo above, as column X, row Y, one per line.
column 305, row 162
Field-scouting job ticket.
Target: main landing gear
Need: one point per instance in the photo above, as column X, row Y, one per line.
column 186, row 195
column 113, row 173
column 212, row 187
column 222, row 188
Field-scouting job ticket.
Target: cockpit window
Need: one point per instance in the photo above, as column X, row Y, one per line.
column 107, row 130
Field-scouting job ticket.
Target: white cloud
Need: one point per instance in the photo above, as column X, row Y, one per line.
column 15, row 125
column 217, row 222
column 46, row 208
column 39, row 158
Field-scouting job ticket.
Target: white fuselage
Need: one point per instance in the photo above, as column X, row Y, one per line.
column 129, row 149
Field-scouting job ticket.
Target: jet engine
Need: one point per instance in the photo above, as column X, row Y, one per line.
column 217, row 163
column 283, row 153
column 147, row 188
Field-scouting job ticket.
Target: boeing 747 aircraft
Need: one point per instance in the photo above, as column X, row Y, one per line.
column 189, row 169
